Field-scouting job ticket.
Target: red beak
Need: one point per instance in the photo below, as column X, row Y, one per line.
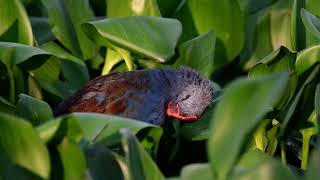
column 174, row 111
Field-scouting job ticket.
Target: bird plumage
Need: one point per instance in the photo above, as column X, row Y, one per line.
column 143, row 95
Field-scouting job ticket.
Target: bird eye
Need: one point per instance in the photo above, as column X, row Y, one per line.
column 187, row 97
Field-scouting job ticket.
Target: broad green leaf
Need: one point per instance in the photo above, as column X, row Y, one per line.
column 260, row 135
column 307, row 58
column 198, row 53
column 56, row 130
column 10, row 170
column 297, row 31
column 278, row 61
column 307, row 133
column 41, row 30
column 34, row 90
column 271, row 28
column 243, row 105
column 313, row 171
column 75, row 76
column 313, row 7
column 317, row 101
column 124, row 8
column 251, row 159
column 258, row 38
column 311, row 22
column 35, row 110
column 49, row 71
column 195, row 171
column 224, row 18
column 73, row 160
column 23, row 146
column 13, row 54
column 27, row 57
column 14, row 23
column 112, row 58
column 141, row 166
column 199, row 130
column 272, row 136
column 253, row 6
column 98, row 126
column 153, row 37
column 168, row 7
column 61, row 53
column 280, row 24
column 286, row 115
column 6, row 106
column 65, row 18
column 269, row 169
column 99, row 158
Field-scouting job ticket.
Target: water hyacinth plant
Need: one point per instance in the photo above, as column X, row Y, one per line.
column 261, row 56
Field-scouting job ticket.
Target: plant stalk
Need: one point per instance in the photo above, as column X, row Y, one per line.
column 305, row 151
column 12, row 86
column 283, row 152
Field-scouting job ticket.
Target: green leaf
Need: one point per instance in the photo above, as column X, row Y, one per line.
column 61, row 53
column 307, row 133
column 23, row 146
column 278, row 61
column 260, row 135
column 14, row 23
column 243, row 105
column 251, row 159
column 132, row 8
column 313, row 170
column 317, row 101
column 271, row 28
column 73, row 160
column 270, row 169
column 99, row 158
column 65, row 18
column 41, row 30
column 252, row 6
column 199, row 130
column 49, row 71
column 99, row 126
column 168, row 7
column 307, row 58
column 224, row 18
column 311, row 22
column 312, row 6
column 27, row 57
column 198, row 53
column 272, row 136
column 281, row 26
column 140, row 164
column 6, row 106
column 35, row 110
column 75, row 76
column 13, row 54
column 112, row 58
column 152, row 37
column 286, row 115
column 55, row 131
column 195, row 171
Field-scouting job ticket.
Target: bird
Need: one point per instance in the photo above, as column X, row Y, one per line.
column 148, row 95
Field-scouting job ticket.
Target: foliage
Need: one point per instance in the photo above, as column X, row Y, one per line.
column 262, row 55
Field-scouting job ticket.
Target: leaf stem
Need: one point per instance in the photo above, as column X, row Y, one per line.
column 305, row 150
column 283, row 152
column 12, row 86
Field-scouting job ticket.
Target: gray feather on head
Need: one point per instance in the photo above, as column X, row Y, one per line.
column 194, row 92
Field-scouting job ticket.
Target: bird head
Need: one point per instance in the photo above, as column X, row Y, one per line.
column 192, row 94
